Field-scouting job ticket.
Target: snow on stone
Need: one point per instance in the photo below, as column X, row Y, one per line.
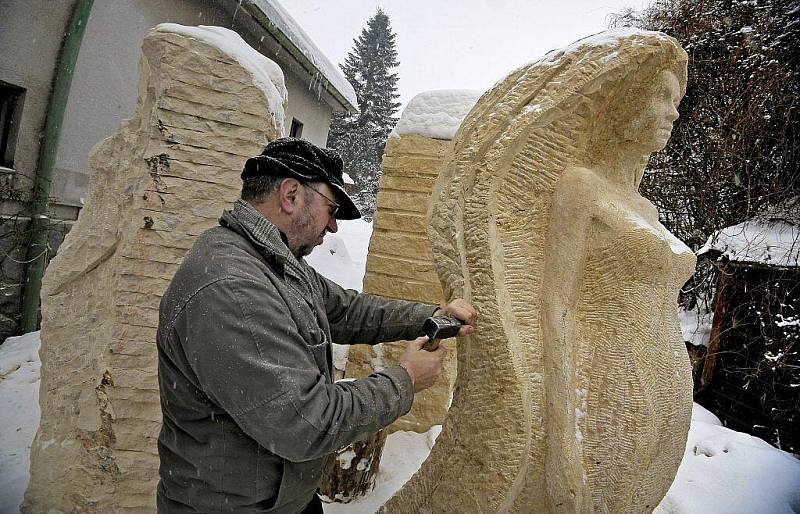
column 608, row 38
column 436, row 114
column 267, row 75
column 19, row 412
column 278, row 16
column 775, row 242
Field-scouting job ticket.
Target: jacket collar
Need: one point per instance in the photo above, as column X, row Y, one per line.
column 271, row 242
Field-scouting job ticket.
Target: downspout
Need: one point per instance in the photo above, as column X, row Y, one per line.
column 48, row 149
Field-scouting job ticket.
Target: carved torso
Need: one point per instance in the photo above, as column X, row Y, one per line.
column 633, row 267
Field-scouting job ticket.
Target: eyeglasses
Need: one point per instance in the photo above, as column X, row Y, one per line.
column 332, row 206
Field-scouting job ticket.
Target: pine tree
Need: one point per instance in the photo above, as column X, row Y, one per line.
column 360, row 137
column 368, row 68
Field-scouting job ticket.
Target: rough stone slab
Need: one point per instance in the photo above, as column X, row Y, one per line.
column 148, row 360
column 398, row 243
column 402, row 288
column 407, row 201
column 420, row 184
column 242, row 101
column 397, row 266
column 198, row 190
column 133, row 348
column 155, row 185
column 172, row 119
column 205, row 80
column 125, row 331
column 203, row 111
column 399, row 263
column 198, row 172
column 402, row 221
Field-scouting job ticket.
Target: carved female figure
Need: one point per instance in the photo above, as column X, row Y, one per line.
column 620, row 402
column 575, row 393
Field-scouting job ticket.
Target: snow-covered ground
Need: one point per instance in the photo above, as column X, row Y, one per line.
column 722, row 471
column 19, row 412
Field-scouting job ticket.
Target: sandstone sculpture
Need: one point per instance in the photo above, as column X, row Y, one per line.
column 575, row 393
column 206, row 102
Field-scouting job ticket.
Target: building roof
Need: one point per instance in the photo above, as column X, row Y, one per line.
column 770, row 241
column 279, row 23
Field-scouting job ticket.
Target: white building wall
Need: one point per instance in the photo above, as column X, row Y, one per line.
column 104, row 87
column 309, row 109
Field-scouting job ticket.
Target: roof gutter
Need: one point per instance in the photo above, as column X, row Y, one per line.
column 295, row 52
column 48, row 149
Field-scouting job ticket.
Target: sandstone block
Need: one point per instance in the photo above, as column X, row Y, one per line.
column 400, row 265
column 163, row 178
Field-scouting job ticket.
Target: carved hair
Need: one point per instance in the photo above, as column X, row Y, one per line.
column 558, row 96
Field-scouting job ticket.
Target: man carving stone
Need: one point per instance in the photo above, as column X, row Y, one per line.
column 250, row 410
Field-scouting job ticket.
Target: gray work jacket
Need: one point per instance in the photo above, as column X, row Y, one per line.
column 249, row 406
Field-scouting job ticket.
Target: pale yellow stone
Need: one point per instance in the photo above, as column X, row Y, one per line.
column 575, row 393
column 400, row 265
column 155, row 185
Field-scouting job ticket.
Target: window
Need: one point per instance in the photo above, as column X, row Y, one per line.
column 297, row 128
column 11, row 98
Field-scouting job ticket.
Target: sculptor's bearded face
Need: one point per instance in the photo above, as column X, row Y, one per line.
column 313, row 221
column 652, row 125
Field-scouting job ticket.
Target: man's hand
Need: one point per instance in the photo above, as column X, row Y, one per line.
column 463, row 310
column 423, row 367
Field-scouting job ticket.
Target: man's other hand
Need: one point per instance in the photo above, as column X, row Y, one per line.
column 463, row 310
column 423, row 367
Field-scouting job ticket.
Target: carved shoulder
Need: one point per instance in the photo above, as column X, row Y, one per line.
column 576, row 190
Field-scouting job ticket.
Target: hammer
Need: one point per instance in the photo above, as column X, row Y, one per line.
column 439, row 327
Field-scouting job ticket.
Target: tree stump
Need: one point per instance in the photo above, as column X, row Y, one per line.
column 350, row 472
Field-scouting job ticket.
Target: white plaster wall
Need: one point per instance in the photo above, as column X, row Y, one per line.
column 309, row 109
column 106, row 77
column 30, row 38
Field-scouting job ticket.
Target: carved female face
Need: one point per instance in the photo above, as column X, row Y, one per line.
column 657, row 109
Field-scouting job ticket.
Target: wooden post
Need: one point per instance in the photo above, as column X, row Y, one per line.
column 350, row 472
column 710, row 360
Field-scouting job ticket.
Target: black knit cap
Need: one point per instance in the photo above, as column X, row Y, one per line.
column 297, row 158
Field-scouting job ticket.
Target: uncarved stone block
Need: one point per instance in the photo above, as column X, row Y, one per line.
column 399, row 265
column 165, row 176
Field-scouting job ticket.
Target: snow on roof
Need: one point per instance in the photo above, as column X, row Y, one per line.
column 772, row 241
column 267, row 75
column 436, row 114
column 281, row 20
